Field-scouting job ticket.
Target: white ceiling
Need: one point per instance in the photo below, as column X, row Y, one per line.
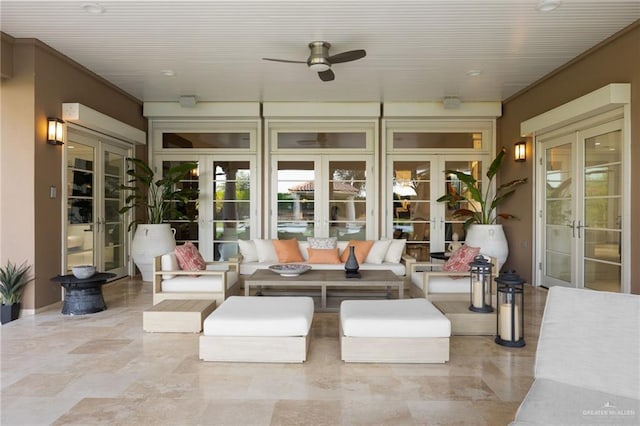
column 416, row 50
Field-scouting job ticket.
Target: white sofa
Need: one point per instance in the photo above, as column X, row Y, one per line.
column 217, row 282
column 587, row 368
column 385, row 254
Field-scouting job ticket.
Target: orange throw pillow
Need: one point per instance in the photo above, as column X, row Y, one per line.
column 287, row 251
column 323, row 256
column 360, row 247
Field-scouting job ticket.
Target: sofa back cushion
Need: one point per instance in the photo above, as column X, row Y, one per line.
column 248, row 250
column 323, row 243
column 395, row 251
column 287, row 251
column 266, row 251
column 591, row 339
column 169, row 262
column 378, row 252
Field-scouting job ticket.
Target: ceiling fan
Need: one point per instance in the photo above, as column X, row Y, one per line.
column 320, row 61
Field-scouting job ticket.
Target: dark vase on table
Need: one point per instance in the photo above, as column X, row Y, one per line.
column 351, row 266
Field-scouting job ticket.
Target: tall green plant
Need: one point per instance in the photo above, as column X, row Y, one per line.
column 13, row 279
column 482, row 204
column 160, row 198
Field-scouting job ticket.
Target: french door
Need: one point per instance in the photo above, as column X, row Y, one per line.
column 582, row 208
column 95, row 230
column 226, row 208
column 322, row 195
column 416, row 183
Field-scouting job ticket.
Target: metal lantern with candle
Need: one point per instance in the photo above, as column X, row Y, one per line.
column 510, row 304
column 480, row 285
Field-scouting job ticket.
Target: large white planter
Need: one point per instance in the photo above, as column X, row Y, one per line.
column 148, row 242
column 490, row 239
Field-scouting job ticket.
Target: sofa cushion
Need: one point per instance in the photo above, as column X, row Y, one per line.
column 328, row 256
column 199, row 284
column 460, row 259
column 248, row 250
column 287, row 251
column 395, row 250
column 440, row 284
column 169, row 262
column 323, row 243
column 361, row 248
column 378, row 251
column 189, row 258
column 266, row 251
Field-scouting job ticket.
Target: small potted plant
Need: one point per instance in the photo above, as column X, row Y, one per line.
column 161, row 199
column 479, row 212
column 13, row 279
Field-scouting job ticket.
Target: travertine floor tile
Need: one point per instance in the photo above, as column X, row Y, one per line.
column 103, row 369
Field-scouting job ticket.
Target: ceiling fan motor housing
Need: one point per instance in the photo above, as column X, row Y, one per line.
column 318, row 58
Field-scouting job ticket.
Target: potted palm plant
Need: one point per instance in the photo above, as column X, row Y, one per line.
column 161, row 199
column 479, row 209
column 13, row 279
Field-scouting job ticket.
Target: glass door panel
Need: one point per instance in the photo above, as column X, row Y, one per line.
column 231, row 206
column 185, row 218
column 602, row 211
column 81, row 181
column 347, row 200
column 112, row 223
column 453, row 225
column 559, row 234
column 296, row 196
column 412, row 206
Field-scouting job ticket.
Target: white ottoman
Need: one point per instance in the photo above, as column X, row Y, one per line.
column 258, row 329
column 402, row 331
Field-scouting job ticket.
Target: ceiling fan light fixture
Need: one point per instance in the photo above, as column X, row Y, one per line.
column 548, row 5
column 319, row 67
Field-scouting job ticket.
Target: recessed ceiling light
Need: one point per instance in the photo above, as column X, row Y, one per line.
column 168, row 73
column 93, row 8
column 474, row 73
column 548, row 5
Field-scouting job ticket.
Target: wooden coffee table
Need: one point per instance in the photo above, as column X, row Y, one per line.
column 325, row 279
column 177, row 316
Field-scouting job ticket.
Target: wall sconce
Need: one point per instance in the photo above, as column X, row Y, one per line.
column 55, row 133
column 520, row 151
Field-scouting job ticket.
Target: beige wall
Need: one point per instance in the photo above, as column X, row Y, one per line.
column 43, row 79
column 616, row 61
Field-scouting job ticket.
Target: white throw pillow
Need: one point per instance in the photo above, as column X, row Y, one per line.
column 169, row 262
column 322, row 243
column 248, row 250
column 266, row 251
column 378, row 252
column 395, row 250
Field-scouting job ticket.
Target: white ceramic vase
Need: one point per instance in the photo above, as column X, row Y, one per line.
column 148, row 242
column 491, row 240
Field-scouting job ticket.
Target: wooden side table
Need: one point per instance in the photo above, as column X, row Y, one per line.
column 465, row 322
column 83, row 296
column 177, row 316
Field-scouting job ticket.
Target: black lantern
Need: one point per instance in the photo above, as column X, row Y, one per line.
column 480, row 282
column 510, row 304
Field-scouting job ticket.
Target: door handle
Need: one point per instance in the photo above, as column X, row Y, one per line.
column 578, row 226
column 572, row 225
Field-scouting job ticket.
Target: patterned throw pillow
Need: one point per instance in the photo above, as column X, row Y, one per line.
column 460, row 259
column 322, row 243
column 189, row 258
column 287, row 251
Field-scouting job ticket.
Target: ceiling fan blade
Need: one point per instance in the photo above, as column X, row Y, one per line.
column 327, row 75
column 284, row 60
column 351, row 55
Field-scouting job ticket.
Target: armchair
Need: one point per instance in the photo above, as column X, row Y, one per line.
column 217, row 282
